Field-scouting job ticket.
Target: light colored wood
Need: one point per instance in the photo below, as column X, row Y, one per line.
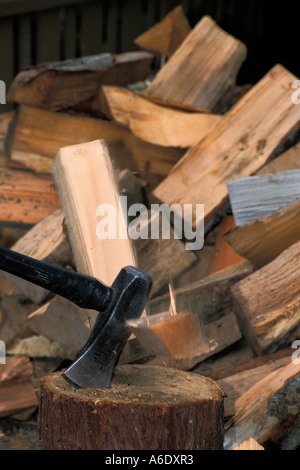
column 181, row 341
column 244, row 139
column 85, row 179
column 26, row 198
column 268, row 410
column 263, row 239
column 154, row 123
column 167, row 35
column 16, row 389
column 256, row 196
column 33, row 146
column 249, row 444
column 288, row 160
column 203, row 69
column 61, row 85
column 45, row 241
column 267, row 301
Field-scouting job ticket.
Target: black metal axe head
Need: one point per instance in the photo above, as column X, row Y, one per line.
column 123, row 301
column 93, row 368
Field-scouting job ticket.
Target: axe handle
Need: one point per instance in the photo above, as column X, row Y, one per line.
column 84, row 291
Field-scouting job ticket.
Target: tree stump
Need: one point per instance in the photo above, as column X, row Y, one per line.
column 146, row 408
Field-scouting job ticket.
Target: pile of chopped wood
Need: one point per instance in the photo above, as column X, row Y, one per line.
column 84, row 132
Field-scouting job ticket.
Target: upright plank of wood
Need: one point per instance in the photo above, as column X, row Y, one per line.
column 203, row 69
column 163, row 409
column 268, row 411
column 263, row 239
column 157, row 124
column 245, row 138
column 85, row 180
column 167, row 35
column 267, row 301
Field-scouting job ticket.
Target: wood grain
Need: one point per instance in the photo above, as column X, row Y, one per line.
column 243, row 141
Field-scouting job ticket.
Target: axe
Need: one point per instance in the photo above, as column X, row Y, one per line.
column 124, row 300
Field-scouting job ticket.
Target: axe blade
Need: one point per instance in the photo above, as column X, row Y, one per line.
column 93, row 367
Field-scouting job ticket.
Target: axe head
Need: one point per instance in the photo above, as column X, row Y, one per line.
column 93, row 367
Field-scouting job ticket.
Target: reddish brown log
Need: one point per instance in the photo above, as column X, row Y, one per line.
column 146, row 408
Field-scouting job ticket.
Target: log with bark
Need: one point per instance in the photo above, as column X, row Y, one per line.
column 65, row 84
column 145, row 408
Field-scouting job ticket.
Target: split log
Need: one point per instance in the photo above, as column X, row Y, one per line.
column 26, row 198
column 236, row 380
column 211, row 300
column 237, row 146
column 16, row 390
column 249, row 444
column 162, row 258
column 65, row 84
column 256, row 196
column 14, row 324
column 32, row 146
column 288, row 160
column 5, row 121
column 167, row 35
column 224, row 255
column 81, row 196
column 45, row 241
column 62, row 322
column 164, row 409
column 267, row 302
column 210, row 297
column 85, row 180
column 38, row 346
column 268, row 411
column 203, row 69
column 263, row 239
column 173, row 336
column 154, row 123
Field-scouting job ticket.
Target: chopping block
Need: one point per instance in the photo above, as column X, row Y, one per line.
column 145, row 408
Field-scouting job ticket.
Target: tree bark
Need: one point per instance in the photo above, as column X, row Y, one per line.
column 146, row 408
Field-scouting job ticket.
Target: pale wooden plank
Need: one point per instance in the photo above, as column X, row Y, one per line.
column 256, row 196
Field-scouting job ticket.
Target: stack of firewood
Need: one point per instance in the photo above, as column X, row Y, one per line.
column 181, row 133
